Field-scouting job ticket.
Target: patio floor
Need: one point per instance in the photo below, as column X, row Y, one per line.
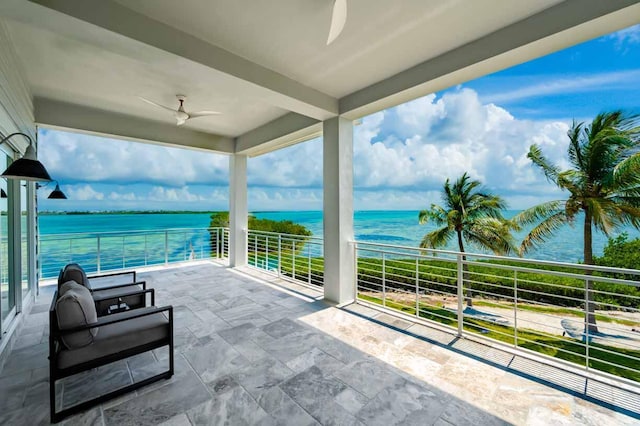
column 261, row 351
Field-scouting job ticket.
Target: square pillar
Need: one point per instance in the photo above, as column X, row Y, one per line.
column 238, row 210
column 339, row 269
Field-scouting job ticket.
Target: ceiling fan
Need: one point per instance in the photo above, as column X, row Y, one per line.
column 180, row 114
column 338, row 19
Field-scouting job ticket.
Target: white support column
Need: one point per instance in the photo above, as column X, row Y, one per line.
column 238, row 212
column 339, row 274
column 32, row 241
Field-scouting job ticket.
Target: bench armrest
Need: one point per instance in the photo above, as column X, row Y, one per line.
column 111, row 287
column 113, row 274
column 133, row 292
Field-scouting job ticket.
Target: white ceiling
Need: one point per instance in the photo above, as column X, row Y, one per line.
column 380, row 39
column 256, row 61
column 113, row 76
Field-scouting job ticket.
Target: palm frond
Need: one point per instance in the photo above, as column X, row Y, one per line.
column 538, row 213
column 492, row 234
column 435, row 214
column 627, row 170
column 575, row 148
column 438, row 238
column 550, row 171
column 543, row 230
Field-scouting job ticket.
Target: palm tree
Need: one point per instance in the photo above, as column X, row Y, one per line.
column 603, row 184
column 472, row 215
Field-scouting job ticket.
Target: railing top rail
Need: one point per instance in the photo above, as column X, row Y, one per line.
column 594, row 278
column 584, row 267
column 123, row 232
column 301, row 237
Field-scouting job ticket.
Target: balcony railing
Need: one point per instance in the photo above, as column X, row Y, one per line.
column 536, row 306
column 587, row 317
column 287, row 256
column 107, row 251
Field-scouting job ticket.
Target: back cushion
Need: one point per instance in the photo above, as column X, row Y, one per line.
column 69, row 285
column 74, row 272
column 73, row 309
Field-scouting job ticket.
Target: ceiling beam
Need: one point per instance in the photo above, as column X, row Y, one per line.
column 287, row 130
column 278, row 89
column 77, row 118
column 553, row 29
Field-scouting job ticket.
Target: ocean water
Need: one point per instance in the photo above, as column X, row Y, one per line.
column 388, row 227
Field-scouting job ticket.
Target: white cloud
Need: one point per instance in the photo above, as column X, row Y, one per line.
column 72, row 157
column 625, row 37
column 129, row 196
column 564, row 85
column 284, row 199
column 159, row 193
column 467, row 136
column 82, row 193
column 296, row 166
column 402, row 156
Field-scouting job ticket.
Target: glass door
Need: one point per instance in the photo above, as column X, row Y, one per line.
column 7, row 291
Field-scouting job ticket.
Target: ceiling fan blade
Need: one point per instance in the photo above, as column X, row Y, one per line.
column 156, row 104
column 338, row 19
column 202, row 114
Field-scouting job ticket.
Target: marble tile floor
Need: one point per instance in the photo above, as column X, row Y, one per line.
column 253, row 350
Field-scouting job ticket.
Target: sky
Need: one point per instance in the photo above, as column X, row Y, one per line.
column 402, row 155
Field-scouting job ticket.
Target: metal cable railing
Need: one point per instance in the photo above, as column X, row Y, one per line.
column 108, row 251
column 586, row 316
column 289, row 256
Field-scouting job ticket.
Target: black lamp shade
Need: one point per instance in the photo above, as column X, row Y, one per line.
column 25, row 169
column 57, row 194
column 3, row 194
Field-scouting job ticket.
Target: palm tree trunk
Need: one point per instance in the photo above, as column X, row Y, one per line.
column 465, row 270
column 590, row 318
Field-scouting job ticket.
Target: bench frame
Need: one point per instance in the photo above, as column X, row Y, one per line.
column 55, row 343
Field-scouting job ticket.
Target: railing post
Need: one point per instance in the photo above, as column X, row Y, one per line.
column 217, row 243
column 145, row 250
column 255, row 250
column 417, row 288
column 184, row 246
column 166, row 247
column 460, row 296
column 309, row 263
column 586, row 323
column 266, row 252
column 279, row 255
column 70, row 250
column 384, row 281
column 515, row 309
column 123, row 253
column 293, row 259
column 355, row 269
column 98, row 255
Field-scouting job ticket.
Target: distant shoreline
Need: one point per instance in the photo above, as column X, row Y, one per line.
column 74, row 213
column 111, row 212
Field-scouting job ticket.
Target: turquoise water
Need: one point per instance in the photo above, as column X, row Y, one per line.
column 388, row 227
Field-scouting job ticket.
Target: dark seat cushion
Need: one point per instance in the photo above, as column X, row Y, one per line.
column 114, row 338
column 73, row 272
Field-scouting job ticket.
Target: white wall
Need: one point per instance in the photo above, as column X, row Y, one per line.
column 16, row 103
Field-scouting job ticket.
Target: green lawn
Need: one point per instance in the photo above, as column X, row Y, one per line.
column 558, row 347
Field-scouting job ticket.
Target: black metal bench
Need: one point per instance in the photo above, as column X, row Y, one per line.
column 119, row 336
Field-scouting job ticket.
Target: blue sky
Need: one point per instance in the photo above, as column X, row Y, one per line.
column 401, row 155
